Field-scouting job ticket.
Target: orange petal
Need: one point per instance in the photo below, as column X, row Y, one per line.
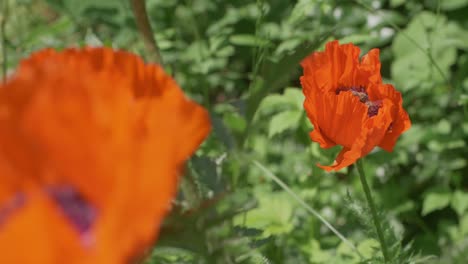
column 373, row 130
column 400, row 125
column 116, row 129
column 337, row 119
column 339, row 66
column 370, row 67
column 341, row 92
column 401, row 121
column 39, row 228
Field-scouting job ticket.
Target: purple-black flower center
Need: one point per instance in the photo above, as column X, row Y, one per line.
column 360, row 92
column 9, row 206
column 72, row 204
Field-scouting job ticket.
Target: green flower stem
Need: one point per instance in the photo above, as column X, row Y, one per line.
column 371, row 203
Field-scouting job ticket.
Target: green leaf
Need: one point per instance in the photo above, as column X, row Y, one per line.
column 247, row 40
column 368, row 247
column 235, row 121
column 358, row 38
column 464, row 225
column 427, row 34
column 396, row 3
column 206, row 172
column 222, row 132
column 287, row 45
column 273, row 102
column 448, row 4
column 459, row 202
column 277, row 74
column 444, row 127
column 273, row 214
column 435, row 201
column 295, row 97
column 292, row 99
column 317, row 254
column 283, row 121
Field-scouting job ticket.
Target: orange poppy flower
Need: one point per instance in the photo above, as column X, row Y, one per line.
column 349, row 105
column 91, row 145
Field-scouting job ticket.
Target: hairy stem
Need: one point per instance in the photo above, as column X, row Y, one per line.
column 371, row 203
column 144, row 26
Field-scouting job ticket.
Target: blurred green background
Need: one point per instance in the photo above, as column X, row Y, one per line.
column 240, row 59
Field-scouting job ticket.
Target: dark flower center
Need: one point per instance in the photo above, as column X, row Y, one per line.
column 360, row 92
column 75, row 208
column 390, row 127
column 12, row 204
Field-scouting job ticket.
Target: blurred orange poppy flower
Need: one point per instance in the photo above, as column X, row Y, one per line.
column 349, row 105
column 91, row 144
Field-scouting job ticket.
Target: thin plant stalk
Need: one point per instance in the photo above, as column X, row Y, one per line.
column 370, row 202
column 307, row 207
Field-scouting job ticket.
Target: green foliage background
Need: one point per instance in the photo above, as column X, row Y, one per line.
column 240, row 59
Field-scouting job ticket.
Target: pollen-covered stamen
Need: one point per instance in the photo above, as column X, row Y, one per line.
column 360, row 92
column 12, row 204
column 358, row 89
column 76, row 209
column 363, row 97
